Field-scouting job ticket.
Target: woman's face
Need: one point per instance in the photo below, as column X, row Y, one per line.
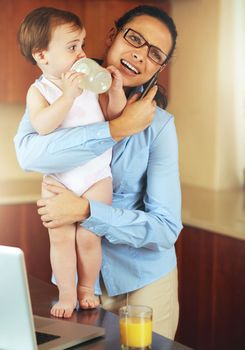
column 134, row 64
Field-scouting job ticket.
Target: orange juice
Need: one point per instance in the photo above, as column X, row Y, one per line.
column 136, row 332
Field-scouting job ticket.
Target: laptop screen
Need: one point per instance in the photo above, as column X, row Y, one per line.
column 16, row 319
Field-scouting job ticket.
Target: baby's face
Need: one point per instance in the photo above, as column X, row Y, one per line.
column 65, row 48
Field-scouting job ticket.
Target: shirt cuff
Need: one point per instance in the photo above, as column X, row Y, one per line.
column 98, row 131
column 100, row 217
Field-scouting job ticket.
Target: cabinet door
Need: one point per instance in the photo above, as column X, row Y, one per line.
column 211, row 290
column 20, row 226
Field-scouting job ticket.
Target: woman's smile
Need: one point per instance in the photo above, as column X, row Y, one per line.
column 129, row 68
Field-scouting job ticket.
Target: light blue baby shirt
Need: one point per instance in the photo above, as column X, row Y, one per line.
column 140, row 229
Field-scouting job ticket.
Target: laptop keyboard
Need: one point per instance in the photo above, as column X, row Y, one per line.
column 44, row 337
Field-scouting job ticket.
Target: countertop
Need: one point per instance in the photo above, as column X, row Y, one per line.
column 222, row 212
column 44, row 295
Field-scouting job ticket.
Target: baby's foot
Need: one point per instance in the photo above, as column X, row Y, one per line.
column 65, row 306
column 86, row 297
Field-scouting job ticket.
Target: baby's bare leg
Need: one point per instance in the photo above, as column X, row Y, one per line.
column 89, row 254
column 63, row 262
column 89, row 261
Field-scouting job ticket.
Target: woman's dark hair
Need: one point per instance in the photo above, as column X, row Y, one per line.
column 163, row 17
column 35, row 30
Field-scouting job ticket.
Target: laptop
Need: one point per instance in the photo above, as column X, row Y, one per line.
column 19, row 329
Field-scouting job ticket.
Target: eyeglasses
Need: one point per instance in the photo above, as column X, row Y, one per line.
column 137, row 40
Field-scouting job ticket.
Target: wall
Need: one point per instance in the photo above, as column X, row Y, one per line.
column 207, row 91
column 10, row 115
column 231, row 96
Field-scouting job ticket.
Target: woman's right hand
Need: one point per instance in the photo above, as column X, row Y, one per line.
column 63, row 207
column 137, row 116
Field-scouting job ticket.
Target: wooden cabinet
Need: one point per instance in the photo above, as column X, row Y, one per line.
column 98, row 16
column 211, row 290
column 20, row 226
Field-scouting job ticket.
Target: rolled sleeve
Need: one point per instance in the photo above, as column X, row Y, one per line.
column 61, row 150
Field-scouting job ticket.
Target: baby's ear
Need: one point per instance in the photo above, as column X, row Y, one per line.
column 110, row 36
column 39, row 56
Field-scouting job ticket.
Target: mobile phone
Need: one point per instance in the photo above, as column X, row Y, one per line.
column 149, row 85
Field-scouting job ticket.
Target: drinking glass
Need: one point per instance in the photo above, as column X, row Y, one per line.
column 135, row 327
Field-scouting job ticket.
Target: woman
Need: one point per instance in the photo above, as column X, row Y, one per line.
column 140, row 229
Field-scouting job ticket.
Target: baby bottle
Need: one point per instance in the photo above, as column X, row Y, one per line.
column 96, row 78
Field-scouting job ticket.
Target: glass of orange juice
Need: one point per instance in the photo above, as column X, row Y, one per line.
column 135, row 327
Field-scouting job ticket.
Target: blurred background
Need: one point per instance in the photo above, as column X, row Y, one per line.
column 207, row 89
column 205, row 84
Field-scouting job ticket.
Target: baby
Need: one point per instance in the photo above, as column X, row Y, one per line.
column 54, row 40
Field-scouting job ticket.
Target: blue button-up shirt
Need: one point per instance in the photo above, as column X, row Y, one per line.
column 140, row 229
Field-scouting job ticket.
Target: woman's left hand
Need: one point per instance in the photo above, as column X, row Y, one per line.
column 63, row 208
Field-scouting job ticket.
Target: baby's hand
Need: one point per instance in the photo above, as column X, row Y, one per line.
column 70, row 84
column 117, row 79
column 117, row 98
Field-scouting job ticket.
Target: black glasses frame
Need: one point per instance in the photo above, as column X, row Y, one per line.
column 126, row 30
